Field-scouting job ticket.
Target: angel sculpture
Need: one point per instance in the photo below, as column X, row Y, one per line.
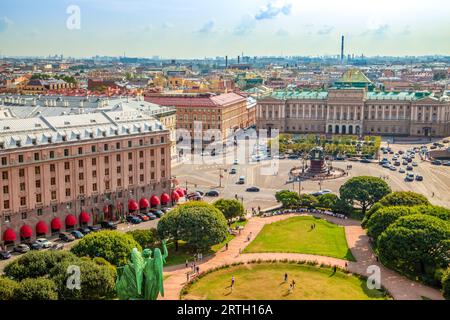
column 142, row 277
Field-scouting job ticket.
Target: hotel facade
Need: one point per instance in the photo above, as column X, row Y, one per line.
column 352, row 106
column 61, row 172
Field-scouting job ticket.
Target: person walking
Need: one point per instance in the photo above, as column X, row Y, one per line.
column 198, row 270
column 285, row 277
column 187, row 263
column 187, row 276
column 232, row 283
column 226, row 246
column 293, row 284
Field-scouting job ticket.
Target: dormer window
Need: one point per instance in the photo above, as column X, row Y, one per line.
column 2, row 145
column 18, row 144
column 78, row 137
column 34, row 142
column 64, row 138
column 66, row 123
column 49, row 140
column 91, row 135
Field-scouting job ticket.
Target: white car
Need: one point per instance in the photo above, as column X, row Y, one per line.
column 44, row 242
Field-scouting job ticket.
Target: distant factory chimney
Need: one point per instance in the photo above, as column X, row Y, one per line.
column 239, row 59
column 226, row 62
column 342, row 49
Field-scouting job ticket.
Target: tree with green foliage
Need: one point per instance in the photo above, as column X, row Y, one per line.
column 445, row 284
column 416, row 245
column 289, row 199
column 36, row 264
column 200, row 224
column 97, row 279
column 8, row 288
column 230, row 208
column 146, row 238
column 328, row 200
column 36, row 289
column 437, row 211
column 113, row 246
column 384, row 217
column 364, row 191
column 307, row 201
column 403, row 198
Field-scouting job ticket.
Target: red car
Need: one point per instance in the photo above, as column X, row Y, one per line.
column 143, row 217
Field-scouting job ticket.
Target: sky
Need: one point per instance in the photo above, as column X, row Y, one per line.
column 208, row 28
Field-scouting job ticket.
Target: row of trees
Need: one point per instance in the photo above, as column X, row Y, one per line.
column 412, row 237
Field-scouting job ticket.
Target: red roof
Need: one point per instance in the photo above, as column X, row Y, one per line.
column 154, row 200
column 143, row 203
column 196, row 101
column 41, row 227
column 132, row 205
column 70, row 220
column 9, row 235
column 84, row 217
column 26, row 231
column 56, row 224
column 165, row 198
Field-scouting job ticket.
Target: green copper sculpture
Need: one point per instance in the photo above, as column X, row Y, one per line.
column 142, row 278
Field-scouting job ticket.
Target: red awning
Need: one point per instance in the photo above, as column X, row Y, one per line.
column 143, row 203
column 55, row 224
column 165, row 198
column 84, row 217
column 26, row 231
column 41, row 227
column 9, row 235
column 154, row 201
column 106, row 209
column 175, row 196
column 70, row 220
column 180, row 193
column 182, row 190
column 132, row 205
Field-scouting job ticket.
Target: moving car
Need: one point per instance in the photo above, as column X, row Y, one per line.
column 446, row 163
column 293, row 156
column 409, row 177
column 409, row 168
column 66, row 237
column 401, row 170
column 233, row 171
column 21, row 248
column 415, row 164
column 393, row 168
column 235, row 162
column 5, row 255
column 241, row 180
column 77, row 234
column 108, row 225
column 45, row 243
column 252, row 189
column 419, row 178
column 212, row 193
column 397, row 163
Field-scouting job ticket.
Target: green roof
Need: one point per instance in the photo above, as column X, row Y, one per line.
column 298, row 94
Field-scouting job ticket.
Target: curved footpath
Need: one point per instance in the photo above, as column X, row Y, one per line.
column 398, row 286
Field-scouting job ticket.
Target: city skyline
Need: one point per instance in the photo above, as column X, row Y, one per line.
column 173, row 29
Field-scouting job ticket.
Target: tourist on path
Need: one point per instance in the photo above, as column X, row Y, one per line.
column 187, row 263
column 285, row 277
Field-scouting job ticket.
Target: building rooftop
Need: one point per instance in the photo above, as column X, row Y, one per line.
column 221, row 100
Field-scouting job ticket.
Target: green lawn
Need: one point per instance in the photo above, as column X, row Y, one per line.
column 265, row 282
column 185, row 252
column 295, row 235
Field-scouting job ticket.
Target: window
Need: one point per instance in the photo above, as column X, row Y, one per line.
column 67, row 179
column 36, row 156
column 130, row 180
column 105, row 147
column 20, row 158
column 5, row 189
column 52, row 168
column 7, row 218
column 117, row 145
column 152, row 153
column 54, row 209
column 130, row 167
column 53, row 181
column 141, row 165
column 6, row 204
column 162, row 139
column 94, row 174
column 106, row 172
column 119, row 182
column 141, row 154
column 52, row 154
column 38, row 184
column 5, row 175
column 119, row 169
column 80, row 150
column 94, row 187
column 106, row 160
column 162, row 150
column 66, row 165
column 23, row 201
column 152, row 163
column 107, row 185
column 141, row 178
column 93, row 149
column 130, row 144
column 152, row 175
column 24, row 215
column 94, row 161
column 37, row 170
column 66, row 152
column 38, row 198
column 67, row 192
column 53, row 195
column 81, row 176
column 141, row 142
column 130, row 155
column 118, row 158
column 81, row 189
column 4, row 161
column 163, row 162
column 80, row 163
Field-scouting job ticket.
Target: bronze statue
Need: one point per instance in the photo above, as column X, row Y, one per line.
column 142, row 277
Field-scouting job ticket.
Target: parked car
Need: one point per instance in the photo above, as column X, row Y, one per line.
column 133, row 219
column 397, row 163
column 77, row 234
column 339, row 158
column 157, row 213
column 21, row 248
column 212, row 193
column 85, row 231
column 415, row 164
column 393, row 168
column 143, row 217
column 151, row 216
column 108, row 225
column 66, row 237
column 409, row 177
column 419, row 178
column 386, row 165
column 365, row 160
column 5, row 255
column 235, row 162
column 252, row 189
column 446, row 163
column 233, row 171
column 293, row 156
column 95, row 228
column 445, row 141
column 409, row 168
column 401, row 170
column 200, row 192
column 436, row 162
column 58, row 246
column 36, row 246
column 45, row 243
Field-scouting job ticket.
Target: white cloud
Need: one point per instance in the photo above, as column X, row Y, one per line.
column 5, row 22
column 208, row 27
column 273, row 9
column 246, row 26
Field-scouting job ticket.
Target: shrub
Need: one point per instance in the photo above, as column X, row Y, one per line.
column 327, row 200
column 446, row 284
column 7, row 288
column 230, row 208
column 440, row 212
column 36, row 289
column 114, row 246
column 308, row 201
column 145, row 238
column 382, row 218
